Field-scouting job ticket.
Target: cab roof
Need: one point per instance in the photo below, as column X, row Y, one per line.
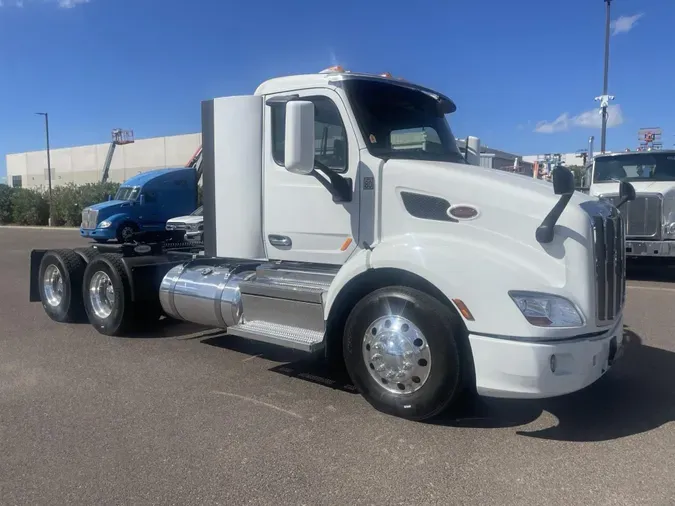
column 142, row 178
column 329, row 76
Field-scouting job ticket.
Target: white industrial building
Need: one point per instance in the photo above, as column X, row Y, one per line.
column 84, row 164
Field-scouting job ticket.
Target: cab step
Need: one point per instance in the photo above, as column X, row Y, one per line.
column 282, row 335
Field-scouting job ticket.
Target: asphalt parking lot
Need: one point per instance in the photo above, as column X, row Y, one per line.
column 189, row 416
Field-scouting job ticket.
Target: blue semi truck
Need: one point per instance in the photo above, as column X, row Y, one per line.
column 142, row 204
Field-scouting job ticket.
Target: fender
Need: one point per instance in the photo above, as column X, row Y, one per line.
column 477, row 274
column 116, row 219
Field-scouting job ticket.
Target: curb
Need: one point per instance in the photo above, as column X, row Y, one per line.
column 21, row 227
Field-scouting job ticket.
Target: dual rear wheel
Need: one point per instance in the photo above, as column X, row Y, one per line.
column 98, row 289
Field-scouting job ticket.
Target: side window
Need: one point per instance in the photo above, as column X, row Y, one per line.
column 150, row 197
column 330, row 136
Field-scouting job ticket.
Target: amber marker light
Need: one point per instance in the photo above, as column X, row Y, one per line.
column 463, row 309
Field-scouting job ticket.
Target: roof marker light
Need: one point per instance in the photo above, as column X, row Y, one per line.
column 332, row 70
column 385, row 74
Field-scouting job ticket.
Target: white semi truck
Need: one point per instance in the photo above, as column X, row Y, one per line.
column 650, row 218
column 429, row 277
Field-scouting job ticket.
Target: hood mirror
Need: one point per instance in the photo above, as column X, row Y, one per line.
column 563, row 181
column 626, row 193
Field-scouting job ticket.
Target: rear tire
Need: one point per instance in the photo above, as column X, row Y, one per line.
column 106, row 291
column 403, row 351
column 60, row 282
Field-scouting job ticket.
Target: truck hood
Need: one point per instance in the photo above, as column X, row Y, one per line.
column 188, row 220
column 495, row 188
column 109, row 205
column 662, row 187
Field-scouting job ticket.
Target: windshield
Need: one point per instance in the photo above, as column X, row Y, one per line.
column 399, row 122
column 197, row 212
column 650, row 166
column 127, row 193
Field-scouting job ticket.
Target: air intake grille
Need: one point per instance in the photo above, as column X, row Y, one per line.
column 610, row 265
column 642, row 215
column 89, row 219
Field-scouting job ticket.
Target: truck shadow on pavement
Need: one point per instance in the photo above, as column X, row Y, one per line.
column 291, row 363
column 640, row 271
column 637, row 395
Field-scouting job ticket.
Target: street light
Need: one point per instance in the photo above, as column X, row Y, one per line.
column 49, row 164
column 605, row 98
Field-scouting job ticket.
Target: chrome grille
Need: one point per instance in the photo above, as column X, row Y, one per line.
column 89, row 219
column 610, row 264
column 642, row 215
column 176, row 226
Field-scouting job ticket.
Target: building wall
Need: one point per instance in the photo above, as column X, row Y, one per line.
column 84, row 164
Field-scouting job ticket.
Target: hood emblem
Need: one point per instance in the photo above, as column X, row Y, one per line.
column 463, row 212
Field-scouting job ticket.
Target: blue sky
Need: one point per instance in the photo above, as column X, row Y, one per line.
column 523, row 73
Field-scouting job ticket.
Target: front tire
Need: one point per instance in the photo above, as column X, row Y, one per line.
column 402, row 350
column 60, row 282
column 126, row 232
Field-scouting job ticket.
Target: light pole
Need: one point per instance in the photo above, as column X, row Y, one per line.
column 49, row 164
column 604, row 102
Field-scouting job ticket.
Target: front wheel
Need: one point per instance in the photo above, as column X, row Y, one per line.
column 126, row 232
column 402, row 350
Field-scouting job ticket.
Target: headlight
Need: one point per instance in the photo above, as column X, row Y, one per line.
column 193, row 227
column 104, row 224
column 546, row 310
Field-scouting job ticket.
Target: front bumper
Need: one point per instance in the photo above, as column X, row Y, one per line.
column 520, row 370
column 98, row 233
column 650, row 248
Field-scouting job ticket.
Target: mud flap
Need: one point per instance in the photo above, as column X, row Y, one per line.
column 34, row 285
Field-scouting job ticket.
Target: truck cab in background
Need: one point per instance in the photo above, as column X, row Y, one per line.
column 143, row 203
column 650, row 218
column 340, row 217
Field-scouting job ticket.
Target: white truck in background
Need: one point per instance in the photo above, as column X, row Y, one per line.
column 650, row 218
column 427, row 276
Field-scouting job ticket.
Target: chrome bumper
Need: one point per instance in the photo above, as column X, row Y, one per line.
column 650, row 248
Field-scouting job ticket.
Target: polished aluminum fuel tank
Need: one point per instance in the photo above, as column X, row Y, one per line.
column 205, row 293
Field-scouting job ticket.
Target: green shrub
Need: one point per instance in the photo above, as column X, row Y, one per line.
column 5, row 204
column 66, row 208
column 29, row 207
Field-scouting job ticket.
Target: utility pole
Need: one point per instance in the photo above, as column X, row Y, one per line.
column 49, row 164
column 605, row 98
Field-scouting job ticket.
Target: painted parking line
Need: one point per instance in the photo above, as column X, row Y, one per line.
column 650, row 288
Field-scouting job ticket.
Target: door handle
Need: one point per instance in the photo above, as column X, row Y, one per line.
column 280, row 240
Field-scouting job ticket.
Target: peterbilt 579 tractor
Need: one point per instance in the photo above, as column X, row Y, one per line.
column 327, row 230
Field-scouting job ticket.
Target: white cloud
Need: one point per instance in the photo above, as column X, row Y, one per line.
column 587, row 119
column 63, row 4
column 624, row 24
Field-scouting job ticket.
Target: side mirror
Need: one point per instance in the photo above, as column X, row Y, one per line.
column 109, row 197
column 141, row 200
column 626, row 193
column 299, row 144
column 563, row 181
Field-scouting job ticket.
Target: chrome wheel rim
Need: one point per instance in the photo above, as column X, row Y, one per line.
column 397, row 355
column 53, row 285
column 101, row 294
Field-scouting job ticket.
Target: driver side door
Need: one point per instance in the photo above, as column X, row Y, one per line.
column 301, row 221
